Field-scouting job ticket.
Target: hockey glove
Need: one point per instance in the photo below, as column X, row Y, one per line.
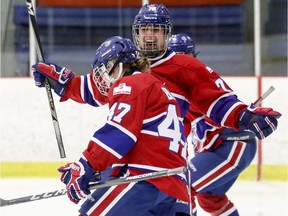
column 60, row 76
column 76, row 176
column 262, row 121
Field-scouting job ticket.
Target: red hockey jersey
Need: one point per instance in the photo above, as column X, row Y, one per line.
column 144, row 130
column 191, row 83
column 198, row 87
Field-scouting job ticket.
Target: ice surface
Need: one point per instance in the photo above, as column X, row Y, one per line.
column 251, row 198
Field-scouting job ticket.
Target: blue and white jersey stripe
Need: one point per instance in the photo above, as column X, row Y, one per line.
column 87, row 94
column 114, row 142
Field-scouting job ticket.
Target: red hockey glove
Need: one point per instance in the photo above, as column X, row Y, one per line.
column 60, row 76
column 262, row 121
column 77, row 176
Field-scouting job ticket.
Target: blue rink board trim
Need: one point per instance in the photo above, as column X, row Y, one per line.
column 83, row 16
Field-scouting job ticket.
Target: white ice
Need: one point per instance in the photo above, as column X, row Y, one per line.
column 251, row 198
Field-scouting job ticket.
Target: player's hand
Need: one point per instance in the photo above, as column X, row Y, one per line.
column 76, row 176
column 262, row 121
column 60, row 76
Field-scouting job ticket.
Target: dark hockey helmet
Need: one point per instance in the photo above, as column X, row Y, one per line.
column 114, row 52
column 182, row 43
column 155, row 16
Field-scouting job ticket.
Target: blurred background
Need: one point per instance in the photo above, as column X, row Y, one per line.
column 70, row 32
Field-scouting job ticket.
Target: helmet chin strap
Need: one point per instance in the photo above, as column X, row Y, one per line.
column 120, row 71
column 116, row 64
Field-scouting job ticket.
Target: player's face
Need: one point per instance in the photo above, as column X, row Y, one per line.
column 152, row 37
column 104, row 77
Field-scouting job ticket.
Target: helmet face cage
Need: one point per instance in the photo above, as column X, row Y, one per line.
column 157, row 19
column 102, row 78
column 182, row 43
column 112, row 54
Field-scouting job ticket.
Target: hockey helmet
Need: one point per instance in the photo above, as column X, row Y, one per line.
column 114, row 52
column 155, row 16
column 182, row 43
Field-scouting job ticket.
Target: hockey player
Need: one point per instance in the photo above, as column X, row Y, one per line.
column 182, row 44
column 143, row 133
column 190, row 81
column 206, row 132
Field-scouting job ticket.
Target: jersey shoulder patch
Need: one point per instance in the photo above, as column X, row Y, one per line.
column 129, row 87
column 122, row 88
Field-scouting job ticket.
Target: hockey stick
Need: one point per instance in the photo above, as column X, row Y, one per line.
column 257, row 103
column 266, row 94
column 46, row 82
column 136, row 178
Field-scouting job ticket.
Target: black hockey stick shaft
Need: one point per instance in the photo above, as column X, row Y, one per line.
column 265, row 94
column 40, row 56
column 136, row 178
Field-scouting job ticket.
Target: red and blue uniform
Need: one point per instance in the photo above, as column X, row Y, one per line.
column 199, row 92
column 144, row 120
column 221, row 153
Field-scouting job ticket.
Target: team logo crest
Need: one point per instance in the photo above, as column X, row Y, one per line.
column 184, row 39
column 107, row 43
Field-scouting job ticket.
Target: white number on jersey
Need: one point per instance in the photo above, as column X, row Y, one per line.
column 118, row 111
column 170, row 128
column 168, row 93
column 220, row 84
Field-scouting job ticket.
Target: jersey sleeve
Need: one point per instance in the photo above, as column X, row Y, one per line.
column 213, row 96
column 82, row 89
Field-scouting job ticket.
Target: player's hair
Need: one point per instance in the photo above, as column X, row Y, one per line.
column 154, row 16
column 141, row 64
